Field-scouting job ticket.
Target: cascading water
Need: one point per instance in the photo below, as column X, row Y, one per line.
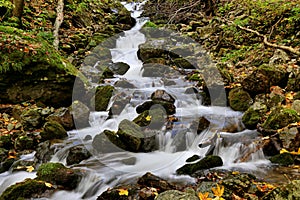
column 107, row 170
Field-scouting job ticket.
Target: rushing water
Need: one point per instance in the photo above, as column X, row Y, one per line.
column 107, row 170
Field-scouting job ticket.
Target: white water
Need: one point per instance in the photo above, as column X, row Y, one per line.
column 107, row 170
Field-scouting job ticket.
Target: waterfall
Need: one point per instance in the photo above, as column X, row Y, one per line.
column 174, row 146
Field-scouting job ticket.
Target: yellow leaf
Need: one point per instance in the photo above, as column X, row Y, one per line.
column 283, row 151
column 29, row 168
column 204, row 196
column 123, row 192
column 49, row 185
column 148, row 118
column 218, row 191
column 235, row 172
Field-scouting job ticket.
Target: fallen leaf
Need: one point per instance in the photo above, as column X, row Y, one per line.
column 123, row 192
column 49, row 185
column 218, row 191
column 148, row 118
column 204, row 196
column 29, row 168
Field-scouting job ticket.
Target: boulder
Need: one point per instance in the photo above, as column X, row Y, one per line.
column 27, row 189
column 205, row 163
column 150, row 180
column 239, row 99
column 119, row 103
column 108, row 142
column 62, row 116
column 102, row 98
column 284, row 159
column 280, row 117
column 263, row 78
column 162, row 95
column 53, row 130
column 253, row 115
column 119, row 68
column 26, row 142
column 131, row 135
column 290, row 138
column 31, row 119
column 80, row 113
column 58, row 174
column 77, row 154
column 170, row 109
column 152, row 119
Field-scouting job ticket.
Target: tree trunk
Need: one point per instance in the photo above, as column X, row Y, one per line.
column 18, row 8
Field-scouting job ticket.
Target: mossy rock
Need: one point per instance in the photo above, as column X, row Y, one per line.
column 53, row 130
column 290, row 191
column 253, row 115
column 264, row 77
column 31, row 119
column 6, row 142
column 131, row 135
column 284, row 159
column 169, row 108
column 119, row 68
column 102, row 97
column 24, row 142
column 27, row 189
column 77, row 154
column 58, row 174
column 80, row 113
column 108, row 142
column 183, row 63
column 205, row 163
column 239, row 99
column 280, row 117
column 153, row 118
column 33, row 70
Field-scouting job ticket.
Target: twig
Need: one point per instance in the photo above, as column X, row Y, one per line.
column 58, row 22
column 272, row 29
column 180, row 9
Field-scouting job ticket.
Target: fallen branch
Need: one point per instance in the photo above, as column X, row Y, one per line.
column 290, row 49
column 181, row 9
column 58, row 22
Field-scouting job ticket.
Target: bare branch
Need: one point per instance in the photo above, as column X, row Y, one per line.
column 58, row 22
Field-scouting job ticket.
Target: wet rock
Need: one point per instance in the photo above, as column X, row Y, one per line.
column 162, row 95
column 284, row 159
column 124, row 84
column 62, row 116
column 161, row 61
column 44, row 152
column 131, row 135
column 200, row 125
column 58, row 174
column 169, row 107
column 108, row 142
column 150, row 180
column 124, row 192
column 77, row 154
column 102, row 97
column 205, row 163
column 27, row 189
column 183, row 63
column 176, row 195
column 119, row 68
column 193, row 158
column 53, row 130
column 155, row 70
column 253, row 115
column 288, row 192
column 280, row 117
column 31, row 119
column 6, row 164
column 279, row 57
column 239, row 99
column 263, row 78
column 80, row 113
column 152, row 119
column 153, row 49
column 179, row 142
column 119, row 103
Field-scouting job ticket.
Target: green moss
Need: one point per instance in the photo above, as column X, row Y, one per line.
column 150, row 25
column 47, row 170
column 284, row 159
column 53, row 130
column 239, row 99
column 102, row 97
column 24, row 190
column 280, row 117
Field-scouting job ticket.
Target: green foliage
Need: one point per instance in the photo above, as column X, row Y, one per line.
column 7, row 4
